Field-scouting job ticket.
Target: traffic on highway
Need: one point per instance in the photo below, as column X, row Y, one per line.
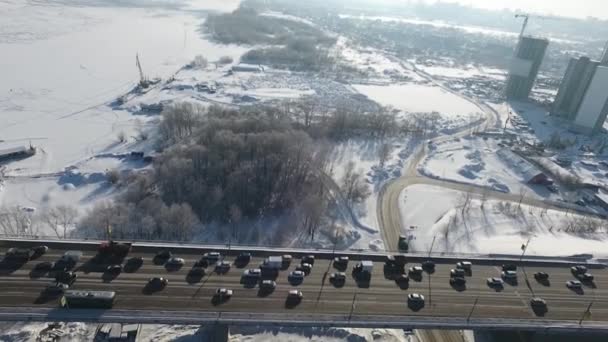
column 119, row 275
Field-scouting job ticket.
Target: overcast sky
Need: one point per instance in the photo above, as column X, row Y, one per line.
column 569, row 8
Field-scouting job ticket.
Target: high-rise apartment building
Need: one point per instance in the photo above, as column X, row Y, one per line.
column 524, row 67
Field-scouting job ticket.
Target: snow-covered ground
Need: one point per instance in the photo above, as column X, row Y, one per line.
column 62, row 66
column 475, row 161
column 468, row 71
column 498, row 227
column 417, row 98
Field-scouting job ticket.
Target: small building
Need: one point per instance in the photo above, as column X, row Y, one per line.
column 16, row 152
column 530, row 173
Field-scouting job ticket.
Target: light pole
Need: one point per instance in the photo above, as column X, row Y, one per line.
column 586, row 313
column 473, row 308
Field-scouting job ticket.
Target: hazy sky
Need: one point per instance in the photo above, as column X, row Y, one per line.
column 569, row 8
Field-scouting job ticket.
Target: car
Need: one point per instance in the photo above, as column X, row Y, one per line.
column 415, row 300
column 574, row 284
column 495, row 282
column 252, row 273
column 538, row 302
column 157, row 283
column 294, row 296
column 296, row 275
column 44, row 266
column 212, row 256
column 133, row 264
column 415, row 270
column 337, row 277
column 458, row 281
column 19, row 254
column 243, row 257
column 585, row 277
column 268, row 284
column 69, row 259
column 66, row 277
column 541, row 276
column 457, row 272
column 222, row 266
column 509, row 275
column 196, row 272
column 163, row 255
column 509, row 267
column 306, row 268
column 403, row 279
column 578, row 269
column 114, row 269
column 341, row 261
column 39, row 251
column 308, row 259
column 428, row 266
column 176, row 262
column 464, row 265
column 286, row 260
column 223, row 293
column 55, row 289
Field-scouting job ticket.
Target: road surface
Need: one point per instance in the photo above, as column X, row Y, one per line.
column 20, row 288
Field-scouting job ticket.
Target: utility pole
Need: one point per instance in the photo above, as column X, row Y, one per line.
column 473, row 308
column 432, row 244
column 586, row 313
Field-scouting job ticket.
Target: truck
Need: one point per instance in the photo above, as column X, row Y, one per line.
column 403, row 244
column 272, row 265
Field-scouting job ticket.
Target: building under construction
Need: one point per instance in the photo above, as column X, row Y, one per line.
column 582, row 97
column 524, row 67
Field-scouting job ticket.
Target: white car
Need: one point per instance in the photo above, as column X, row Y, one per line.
column 252, row 273
column 495, row 282
column 415, row 270
column 294, row 296
column 223, row 293
column 574, row 284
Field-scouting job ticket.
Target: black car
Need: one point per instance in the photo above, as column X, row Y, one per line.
column 66, row 277
column 163, row 254
column 133, row 264
column 45, row 266
column 55, row 289
column 39, row 251
column 509, row 267
column 541, row 276
column 244, row 257
column 114, row 269
column 157, row 283
column 458, row 281
column 428, row 266
column 585, row 277
column 308, row 259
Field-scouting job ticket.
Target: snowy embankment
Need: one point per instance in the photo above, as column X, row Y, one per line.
column 491, row 226
column 58, row 82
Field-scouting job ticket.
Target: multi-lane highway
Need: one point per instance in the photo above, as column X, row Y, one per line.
column 382, row 297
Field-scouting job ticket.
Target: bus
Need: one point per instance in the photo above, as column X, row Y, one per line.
column 88, row 299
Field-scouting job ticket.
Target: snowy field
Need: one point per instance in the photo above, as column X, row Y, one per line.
column 417, row 98
column 63, row 65
column 475, row 161
column 498, row 227
column 468, row 71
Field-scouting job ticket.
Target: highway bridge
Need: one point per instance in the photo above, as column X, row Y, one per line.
column 379, row 303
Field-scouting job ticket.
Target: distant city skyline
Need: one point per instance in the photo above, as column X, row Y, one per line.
column 566, row 8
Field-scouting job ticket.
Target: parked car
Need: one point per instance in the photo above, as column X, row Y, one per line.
column 243, row 258
column 403, row 279
column 163, row 255
column 44, row 266
column 509, row 275
column 341, row 261
column 304, row 267
column 415, row 270
column 66, row 277
column 296, row 275
column 578, row 269
column 176, row 262
column 55, row 289
column 222, row 266
column 212, row 256
column 541, row 276
column 428, row 266
column 268, row 285
column 538, row 303
column 39, row 251
column 509, row 267
column 465, row 265
column 114, row 269
column 585, row 277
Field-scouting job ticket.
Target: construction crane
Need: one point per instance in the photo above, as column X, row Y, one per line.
column 525, row 23
column 143, row 81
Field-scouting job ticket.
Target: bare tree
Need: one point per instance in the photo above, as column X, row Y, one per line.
column 353, row 186
column 15, row 221
column 384, row 152
column 522, row 194
column 61, row 219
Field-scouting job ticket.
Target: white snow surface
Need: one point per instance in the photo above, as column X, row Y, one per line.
column 498, row 227
column 417, row 98
column 63, row 64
